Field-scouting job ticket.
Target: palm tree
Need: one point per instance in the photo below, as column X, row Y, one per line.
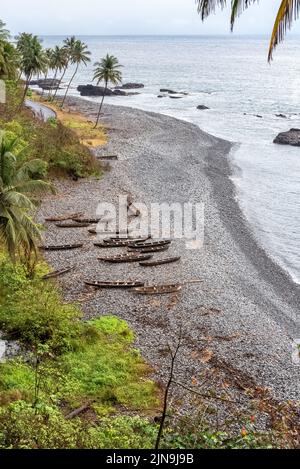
column 9, row 61
column 79, row 54
column 48, row 53
column 32, row 58
column 68, row 47
column 4, row 33
column 288, row 12
column 108, row 70
column 18, row 232
column 58, row 63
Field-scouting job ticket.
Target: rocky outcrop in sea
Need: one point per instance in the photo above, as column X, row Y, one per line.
column 291, row 137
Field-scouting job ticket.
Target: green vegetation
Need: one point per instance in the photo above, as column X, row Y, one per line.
column 78, row 54
column 288, row 11
column 68, row 363
column 108, row 70
column 18, row 231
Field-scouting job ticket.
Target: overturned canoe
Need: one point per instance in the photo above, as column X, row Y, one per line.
column 170, row 260
column 58, row 273
column 86, row 221
column 72, row 225
column 125, row 258
column 150, row 250
column 154, row 244
column 64, row 247
column 114, row 284
column 63, row 217
column 158, row 289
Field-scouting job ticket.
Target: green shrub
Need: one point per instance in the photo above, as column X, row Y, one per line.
column 21, row 427
column 32, row 312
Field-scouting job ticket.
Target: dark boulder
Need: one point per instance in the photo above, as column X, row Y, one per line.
column 201, row 107
column 291, row 137
column 130, row 86
column 46, row 84
column 91, row 90
column 166, row 90
column 118, row 92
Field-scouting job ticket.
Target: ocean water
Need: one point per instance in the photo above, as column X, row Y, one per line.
column 231, row 76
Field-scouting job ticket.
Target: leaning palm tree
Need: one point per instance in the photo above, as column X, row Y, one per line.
column 108, row 70
column 78, row 55
column 288, row 12
column 68, row 47
column 32, row 59
column 18, row 232
column 58, row 63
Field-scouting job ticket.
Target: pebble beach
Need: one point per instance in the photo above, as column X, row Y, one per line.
column 241, row 322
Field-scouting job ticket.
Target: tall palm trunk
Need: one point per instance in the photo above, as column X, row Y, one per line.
column 70, row 82
column 28, row 79
column 60, row 81
column 101, row 104
column 55, row 76
column 45, row 77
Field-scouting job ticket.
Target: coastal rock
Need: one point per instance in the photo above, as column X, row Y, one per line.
column 91, row 90
column 46, row 84
column 130, row 86
column 176, row 96
column 201, row 107
column 291, row 137
column 166, row 90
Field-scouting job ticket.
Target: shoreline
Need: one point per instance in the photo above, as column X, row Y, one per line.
column 254, row 317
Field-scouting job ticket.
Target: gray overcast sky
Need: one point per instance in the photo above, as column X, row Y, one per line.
column 103, row 17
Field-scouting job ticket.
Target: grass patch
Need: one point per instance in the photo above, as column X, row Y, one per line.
column 67, row 364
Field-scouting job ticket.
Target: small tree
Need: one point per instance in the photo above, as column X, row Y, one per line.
column 108, row 70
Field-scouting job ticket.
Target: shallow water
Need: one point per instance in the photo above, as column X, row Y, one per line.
column 232, row 77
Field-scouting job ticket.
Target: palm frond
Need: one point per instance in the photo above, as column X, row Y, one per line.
column 206, row 7
column 237, row 7
column 288, row 12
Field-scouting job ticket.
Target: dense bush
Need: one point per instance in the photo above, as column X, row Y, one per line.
column 32, row 311
column 57, row 145
column 21, row 427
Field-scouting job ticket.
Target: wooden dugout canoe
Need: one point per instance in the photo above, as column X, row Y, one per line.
column 125, row 258
column 158, row 289
column 154, row 244
column 112, row 285
column 72, row 225
column 58, row 273
column 63, row 247
column 170, row 260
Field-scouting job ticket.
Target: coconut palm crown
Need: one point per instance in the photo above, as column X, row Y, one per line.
column 288, row 12
column 108, row 70
column 18, row 232
column 78, row 54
